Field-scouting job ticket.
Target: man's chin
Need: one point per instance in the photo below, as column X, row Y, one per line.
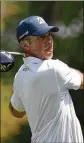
column 50, row 56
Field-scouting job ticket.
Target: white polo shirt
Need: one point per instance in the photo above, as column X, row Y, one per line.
column 41, row 89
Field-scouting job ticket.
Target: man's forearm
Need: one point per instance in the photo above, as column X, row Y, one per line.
column 82, row 80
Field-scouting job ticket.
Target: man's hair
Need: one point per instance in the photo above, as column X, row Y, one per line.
column 28, row 39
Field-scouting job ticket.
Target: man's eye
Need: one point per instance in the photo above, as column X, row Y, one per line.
column 46, row 35
column 43, row 36
column 38, row 37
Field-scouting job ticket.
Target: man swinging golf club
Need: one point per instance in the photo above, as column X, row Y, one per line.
column 41, row 86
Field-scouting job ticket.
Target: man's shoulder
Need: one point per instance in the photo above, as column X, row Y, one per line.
column 19, row 72
column 55, row 62
column 22, row 72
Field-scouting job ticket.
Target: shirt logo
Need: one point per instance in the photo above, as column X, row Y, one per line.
column 40, row 20
column 26, row 69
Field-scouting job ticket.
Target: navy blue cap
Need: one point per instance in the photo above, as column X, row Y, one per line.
column 33, row 26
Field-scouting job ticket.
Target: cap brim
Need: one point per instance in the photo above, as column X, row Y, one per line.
column 44, row 30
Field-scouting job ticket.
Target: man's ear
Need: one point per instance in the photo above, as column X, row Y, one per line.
column 24, row 44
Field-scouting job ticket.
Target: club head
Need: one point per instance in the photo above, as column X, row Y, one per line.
column 7, row 61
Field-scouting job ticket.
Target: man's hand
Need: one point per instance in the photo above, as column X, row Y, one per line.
column 16, row 113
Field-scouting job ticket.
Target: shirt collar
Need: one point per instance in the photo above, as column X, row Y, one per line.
column 32, row 60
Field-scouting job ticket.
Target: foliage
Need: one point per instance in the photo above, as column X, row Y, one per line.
column 9, row 124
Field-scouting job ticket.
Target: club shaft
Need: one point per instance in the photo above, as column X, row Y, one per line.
column 15, row 53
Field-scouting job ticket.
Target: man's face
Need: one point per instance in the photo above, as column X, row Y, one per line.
column 42, row 46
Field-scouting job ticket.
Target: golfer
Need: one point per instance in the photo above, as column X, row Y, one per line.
column 41, row 86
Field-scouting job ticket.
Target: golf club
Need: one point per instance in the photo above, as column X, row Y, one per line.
column 7, row 60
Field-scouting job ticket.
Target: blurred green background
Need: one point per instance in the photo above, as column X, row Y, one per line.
column 68, row 47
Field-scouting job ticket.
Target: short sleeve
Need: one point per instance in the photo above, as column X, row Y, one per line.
column 67, row 77
column 15, row 99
